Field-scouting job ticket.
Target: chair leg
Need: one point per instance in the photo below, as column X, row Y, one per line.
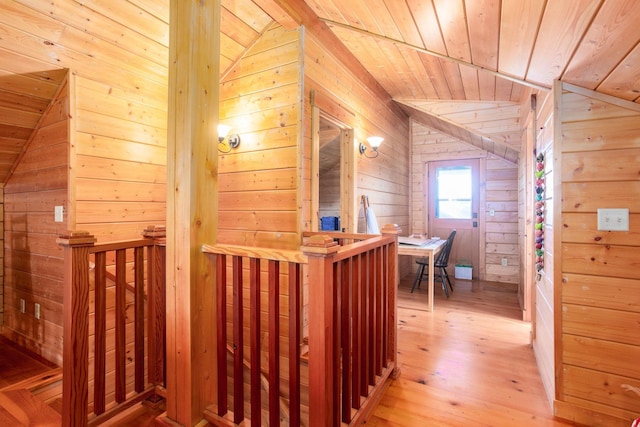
column 443, row 273
column 418, row 278
column 448, row 280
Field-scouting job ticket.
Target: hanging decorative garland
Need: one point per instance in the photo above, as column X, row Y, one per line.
column 539, row 204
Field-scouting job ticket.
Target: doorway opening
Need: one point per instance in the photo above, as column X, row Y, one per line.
column 333, row 186
column 454, row 200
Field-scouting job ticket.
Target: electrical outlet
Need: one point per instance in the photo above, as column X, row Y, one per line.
column 37, row 311
column 504, row 262
column 492, row 212
column 22, row 305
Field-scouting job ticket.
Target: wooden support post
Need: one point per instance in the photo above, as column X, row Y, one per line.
column 393, row 279
column 75, row 350
column 156, row 278
column 324, row 406
column 192, row 206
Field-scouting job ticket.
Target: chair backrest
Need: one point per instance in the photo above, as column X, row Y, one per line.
column 443, row 256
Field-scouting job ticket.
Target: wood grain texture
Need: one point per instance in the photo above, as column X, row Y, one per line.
column 36, row 186
column 467, row 362
column 598, row 348
column 267, row 119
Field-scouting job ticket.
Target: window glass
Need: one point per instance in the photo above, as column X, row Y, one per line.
column 453, row 192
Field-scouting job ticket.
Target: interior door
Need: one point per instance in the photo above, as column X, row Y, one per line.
column 453, row 204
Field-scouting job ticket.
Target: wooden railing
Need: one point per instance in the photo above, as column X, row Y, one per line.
column 351, row 282
column 139, row 301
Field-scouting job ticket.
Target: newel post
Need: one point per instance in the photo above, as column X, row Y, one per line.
column 324, row 407
column 156, row 291
column 75, row 350
column 393, row 277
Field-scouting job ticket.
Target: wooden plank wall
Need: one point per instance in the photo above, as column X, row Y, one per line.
column 600, row 293
column 544, row 303
column 499, row 191
column 350, row 99
column 501, row 230
column 33, row 262
column 118, row 53
column 258, row 181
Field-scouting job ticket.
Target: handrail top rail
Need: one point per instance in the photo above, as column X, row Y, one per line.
column 362, row 246
column 369, row 242
column 340, row 235
column 122, row 244
column 256, row 252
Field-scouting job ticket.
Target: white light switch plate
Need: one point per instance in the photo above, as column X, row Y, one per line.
column 58, row 214
column 613, row 219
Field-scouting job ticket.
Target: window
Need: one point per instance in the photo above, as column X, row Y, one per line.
column 453, row 192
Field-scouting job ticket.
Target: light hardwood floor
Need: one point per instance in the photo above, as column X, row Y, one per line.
column 469, row 363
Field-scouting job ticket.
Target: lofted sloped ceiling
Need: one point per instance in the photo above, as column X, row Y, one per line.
column 26, row 90
column 428, row 53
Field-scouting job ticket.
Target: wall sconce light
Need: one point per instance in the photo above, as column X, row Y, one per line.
column 232, row 141
column 374, row 142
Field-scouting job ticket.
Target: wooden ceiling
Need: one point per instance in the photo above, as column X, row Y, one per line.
column 487, row 50
column 26, row 90
column 439, row 59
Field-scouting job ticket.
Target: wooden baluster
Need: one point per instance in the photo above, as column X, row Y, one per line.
column 100, row 346
column 294, row 344
column 337, row 337
column 156, row 295
column 274, row 343
column 121, row 340
column 221, row 305
column 379, row 331
column 356, row 296
column 371, row 320
column 254, row 346
column 139, row 318
column 324, row 404
column 76, row 327
column 362, row 283
column 385, row 305
column 238, row 343
column 346, row 338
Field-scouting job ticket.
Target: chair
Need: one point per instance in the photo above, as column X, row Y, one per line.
column 441, row 263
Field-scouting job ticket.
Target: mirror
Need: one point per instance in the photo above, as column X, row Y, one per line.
column 329, row 173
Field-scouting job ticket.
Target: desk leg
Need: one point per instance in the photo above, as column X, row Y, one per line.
column 430, row 259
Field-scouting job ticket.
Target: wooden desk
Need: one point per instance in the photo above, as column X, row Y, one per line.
column 429, row 249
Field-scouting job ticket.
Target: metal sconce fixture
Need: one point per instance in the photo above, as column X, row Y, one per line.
column 232, row 141
column 374, row 142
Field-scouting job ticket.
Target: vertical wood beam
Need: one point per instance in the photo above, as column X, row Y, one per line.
column 76, row 327
column 556, row 250
column 392, row 278
column 156, row 291
column 194, row 49
column 324, row 407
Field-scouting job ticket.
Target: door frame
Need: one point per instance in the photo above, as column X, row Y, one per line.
column 348, row 208
column 479, row 195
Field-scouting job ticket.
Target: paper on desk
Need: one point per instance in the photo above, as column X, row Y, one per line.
column 410, row 240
